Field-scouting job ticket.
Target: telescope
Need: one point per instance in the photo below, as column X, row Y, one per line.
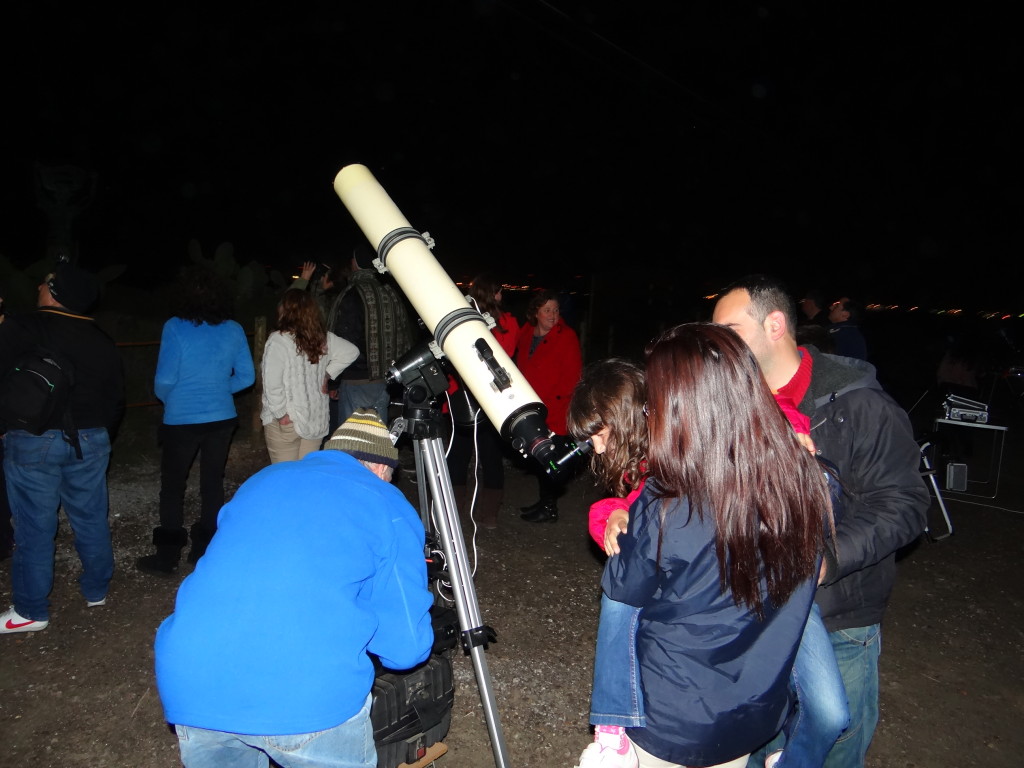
column 460, row 331
column 462, row 336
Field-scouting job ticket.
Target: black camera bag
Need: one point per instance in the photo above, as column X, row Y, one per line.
column 411, row 710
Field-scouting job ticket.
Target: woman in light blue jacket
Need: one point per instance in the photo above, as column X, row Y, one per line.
column 204, row 360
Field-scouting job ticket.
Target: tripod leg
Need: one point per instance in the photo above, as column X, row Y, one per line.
column 444, row 514
column 422, row 490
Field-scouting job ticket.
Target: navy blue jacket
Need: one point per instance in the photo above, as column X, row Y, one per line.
column 715, row 678
column 848, row 341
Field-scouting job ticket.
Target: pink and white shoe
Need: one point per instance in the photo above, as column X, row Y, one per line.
column 609, row 750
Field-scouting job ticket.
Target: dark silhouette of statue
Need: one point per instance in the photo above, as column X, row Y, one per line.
column 63, row 192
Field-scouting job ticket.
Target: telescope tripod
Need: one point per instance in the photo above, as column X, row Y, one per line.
column 439, row 513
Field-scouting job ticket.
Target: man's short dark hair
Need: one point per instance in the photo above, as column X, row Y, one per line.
column 767, row 295
column 853, row 308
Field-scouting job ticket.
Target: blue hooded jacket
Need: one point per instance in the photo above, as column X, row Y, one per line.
column 715, row 677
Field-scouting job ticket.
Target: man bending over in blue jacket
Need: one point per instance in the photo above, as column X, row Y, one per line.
column 314, row 563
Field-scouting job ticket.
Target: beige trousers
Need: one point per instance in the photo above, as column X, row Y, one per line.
column 283, row 444
column 647, row 760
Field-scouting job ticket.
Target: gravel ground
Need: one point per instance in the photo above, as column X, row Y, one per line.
column 81, row 693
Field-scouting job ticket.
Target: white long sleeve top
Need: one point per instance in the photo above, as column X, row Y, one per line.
column 292, row 386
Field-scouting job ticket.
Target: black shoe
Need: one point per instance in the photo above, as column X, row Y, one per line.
column 546, row 513
column 532, row 508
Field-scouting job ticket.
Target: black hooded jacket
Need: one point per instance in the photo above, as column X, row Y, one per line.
column 866, row 434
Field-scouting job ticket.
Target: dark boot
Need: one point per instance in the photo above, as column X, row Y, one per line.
column 532, row 507
column 201, row 537
column 546, row 513
column 169, row 542
column 488, row 504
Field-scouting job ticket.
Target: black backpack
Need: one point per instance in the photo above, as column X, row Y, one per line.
column 34, row 390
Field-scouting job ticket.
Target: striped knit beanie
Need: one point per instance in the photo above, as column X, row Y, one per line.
column 366, row 437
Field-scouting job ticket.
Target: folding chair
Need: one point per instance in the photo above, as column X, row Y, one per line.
column 929, row 472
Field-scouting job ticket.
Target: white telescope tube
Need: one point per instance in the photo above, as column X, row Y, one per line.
column 511, row 405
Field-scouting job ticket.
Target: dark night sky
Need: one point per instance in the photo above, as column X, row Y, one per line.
column 874, row 152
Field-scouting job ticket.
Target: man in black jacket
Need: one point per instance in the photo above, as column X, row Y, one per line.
column 46, row 471
column 856, row 425
column 371, row 313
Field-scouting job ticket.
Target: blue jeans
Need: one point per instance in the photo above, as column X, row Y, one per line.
column 616, row 697
column 44, row 474
column 349, row 745
column 372, row 394
column 857, row 651
column 822, row 712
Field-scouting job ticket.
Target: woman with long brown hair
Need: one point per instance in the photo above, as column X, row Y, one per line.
column 299, row 358
column 721, row 553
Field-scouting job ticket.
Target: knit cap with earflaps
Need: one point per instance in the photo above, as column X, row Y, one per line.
column 366, row 437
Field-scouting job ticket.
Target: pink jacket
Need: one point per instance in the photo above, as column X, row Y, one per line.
column 601, row 510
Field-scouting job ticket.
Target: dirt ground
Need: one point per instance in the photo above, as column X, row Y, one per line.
column 81, row 693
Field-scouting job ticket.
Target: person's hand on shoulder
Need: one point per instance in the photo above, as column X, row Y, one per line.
column 806, row 441
column 616, row 525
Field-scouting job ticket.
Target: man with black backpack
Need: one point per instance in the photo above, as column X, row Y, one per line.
column 61, row 395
